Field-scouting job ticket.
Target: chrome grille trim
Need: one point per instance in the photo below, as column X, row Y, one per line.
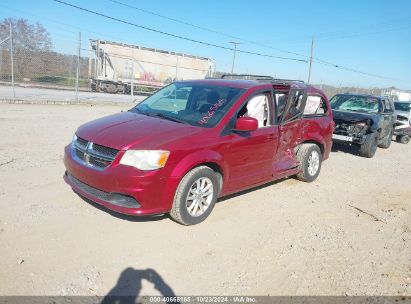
column 93, row 155
column 81, row 143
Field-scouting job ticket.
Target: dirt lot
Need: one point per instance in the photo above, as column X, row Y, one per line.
column 288, row 238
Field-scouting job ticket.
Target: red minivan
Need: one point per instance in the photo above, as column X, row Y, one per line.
column 194, row 141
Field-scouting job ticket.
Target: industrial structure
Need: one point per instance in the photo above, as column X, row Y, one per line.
column 119, row 68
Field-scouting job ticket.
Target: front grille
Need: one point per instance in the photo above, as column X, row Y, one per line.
column 79, row 153
column 112, row 198
column 81, row 143
column 348, row 128
column 94, row 155
column 105, row 150
column 95, row 161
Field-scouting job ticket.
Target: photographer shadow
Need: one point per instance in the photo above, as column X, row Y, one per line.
column 129, row 284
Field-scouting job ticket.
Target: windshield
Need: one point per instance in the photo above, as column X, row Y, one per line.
column 402, row 106
column 194, row 104
column 355, row 103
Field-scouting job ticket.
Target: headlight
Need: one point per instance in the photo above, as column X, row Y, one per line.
column 145, row 159
column 73, row 141
column 361, row 126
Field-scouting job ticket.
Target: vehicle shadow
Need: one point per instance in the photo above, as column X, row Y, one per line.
column 230, row 196
column 354, row 150
column 161, row 217
column 129, row 284
column 130, row 218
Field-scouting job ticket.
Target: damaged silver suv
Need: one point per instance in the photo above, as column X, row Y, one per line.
column 363, row 120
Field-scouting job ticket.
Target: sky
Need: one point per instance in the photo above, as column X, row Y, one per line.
column 371, row 36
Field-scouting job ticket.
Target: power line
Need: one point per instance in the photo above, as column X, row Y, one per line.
column 320, row 61
column 174, row 35
column 174, row 20
column 334, row 35
column 208, row 29
column 376, row 28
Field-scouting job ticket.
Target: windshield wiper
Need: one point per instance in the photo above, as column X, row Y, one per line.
column 137, row 110
column 165, row 117
column 160, row 115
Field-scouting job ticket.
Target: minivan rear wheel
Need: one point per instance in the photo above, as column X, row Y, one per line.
column 309, row 156
column 196, row 196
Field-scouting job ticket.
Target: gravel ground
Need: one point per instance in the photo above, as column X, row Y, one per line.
column 286, row 238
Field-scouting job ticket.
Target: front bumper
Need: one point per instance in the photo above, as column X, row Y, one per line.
column 105, row 198
column 120, row 188
column 342, row 138
column 400, row 130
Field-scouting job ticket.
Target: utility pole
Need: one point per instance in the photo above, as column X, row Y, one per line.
column 234, row 53
column 12, row 62
column 78, row 64
column 132, row 78
column 176, row 78
column 311, row 60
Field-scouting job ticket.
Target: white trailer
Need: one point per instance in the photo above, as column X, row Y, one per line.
column 114, row 67
column 397, row 95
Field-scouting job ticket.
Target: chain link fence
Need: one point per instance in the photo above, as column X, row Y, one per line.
column 48, row 77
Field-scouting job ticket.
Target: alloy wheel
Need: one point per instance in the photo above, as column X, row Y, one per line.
column 199, row 196
column 313, row 163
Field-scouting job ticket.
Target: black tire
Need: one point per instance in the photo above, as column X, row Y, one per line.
column 369, row 147
column 386, row 142
column 303, row 156
column 404, row 139
column 179, row 211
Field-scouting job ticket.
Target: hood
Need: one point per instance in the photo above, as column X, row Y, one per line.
column 349, row 116
column 125, row 130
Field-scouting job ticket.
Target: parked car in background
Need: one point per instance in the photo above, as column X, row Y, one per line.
column 363, row 120
column 194, row 141
column 402, row 130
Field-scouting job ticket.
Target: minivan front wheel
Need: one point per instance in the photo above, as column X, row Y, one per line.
column 196, row 196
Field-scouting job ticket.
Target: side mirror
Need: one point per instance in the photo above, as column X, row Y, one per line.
column 246, row 124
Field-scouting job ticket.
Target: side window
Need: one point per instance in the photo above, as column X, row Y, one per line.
column 281, row 101
column 259, row 108
column 387, row 106
column 295, row 105
column 315, row 105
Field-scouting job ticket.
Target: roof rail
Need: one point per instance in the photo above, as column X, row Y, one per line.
column 288, row 80
column 247, row 77
column 258, row 78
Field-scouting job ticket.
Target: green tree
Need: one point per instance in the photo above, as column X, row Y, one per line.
column 27, row 36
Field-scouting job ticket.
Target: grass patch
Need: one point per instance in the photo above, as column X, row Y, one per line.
column 59, row 80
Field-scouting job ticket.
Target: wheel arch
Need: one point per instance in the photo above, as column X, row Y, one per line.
column 209, row 158
column 312, row 141
column 217, row 169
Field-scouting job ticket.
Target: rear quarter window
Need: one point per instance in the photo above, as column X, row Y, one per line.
column 315, row 106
